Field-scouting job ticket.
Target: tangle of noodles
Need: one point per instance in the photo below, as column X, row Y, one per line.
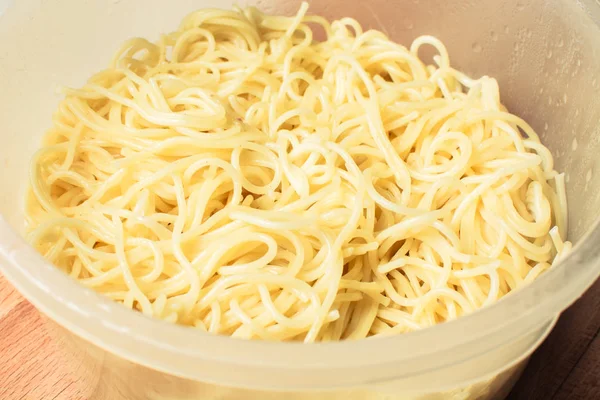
column 245, row 178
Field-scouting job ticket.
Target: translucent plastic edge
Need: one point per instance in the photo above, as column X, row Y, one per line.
column 158, row 345
column 500, row 367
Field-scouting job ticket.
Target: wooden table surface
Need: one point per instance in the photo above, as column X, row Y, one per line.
column 566, row 367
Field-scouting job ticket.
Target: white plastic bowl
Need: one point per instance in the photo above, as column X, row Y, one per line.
column 546, row 56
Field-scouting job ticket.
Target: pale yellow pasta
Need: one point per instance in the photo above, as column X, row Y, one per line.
column 243, row 177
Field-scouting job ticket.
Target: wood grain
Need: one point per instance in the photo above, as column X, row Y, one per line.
column 567, row 364
column 565, row 367
column 31, row 366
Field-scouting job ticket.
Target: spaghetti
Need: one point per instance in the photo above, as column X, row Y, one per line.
column 244, row 178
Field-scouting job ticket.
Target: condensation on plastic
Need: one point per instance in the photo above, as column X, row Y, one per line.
column 546, row 56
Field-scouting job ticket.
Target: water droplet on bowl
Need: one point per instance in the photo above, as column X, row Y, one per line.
column 565, row 98
column 520, row 5
column 506, row 29
column 549, row 54
column 560, row 42
column 549, row 100
column 545, row 126
column 574, row 144
column 494, row 36
column 588, row 176
column 541, row 90
column 476, row 47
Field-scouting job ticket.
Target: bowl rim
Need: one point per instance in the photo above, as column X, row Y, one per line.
column 157, row 344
